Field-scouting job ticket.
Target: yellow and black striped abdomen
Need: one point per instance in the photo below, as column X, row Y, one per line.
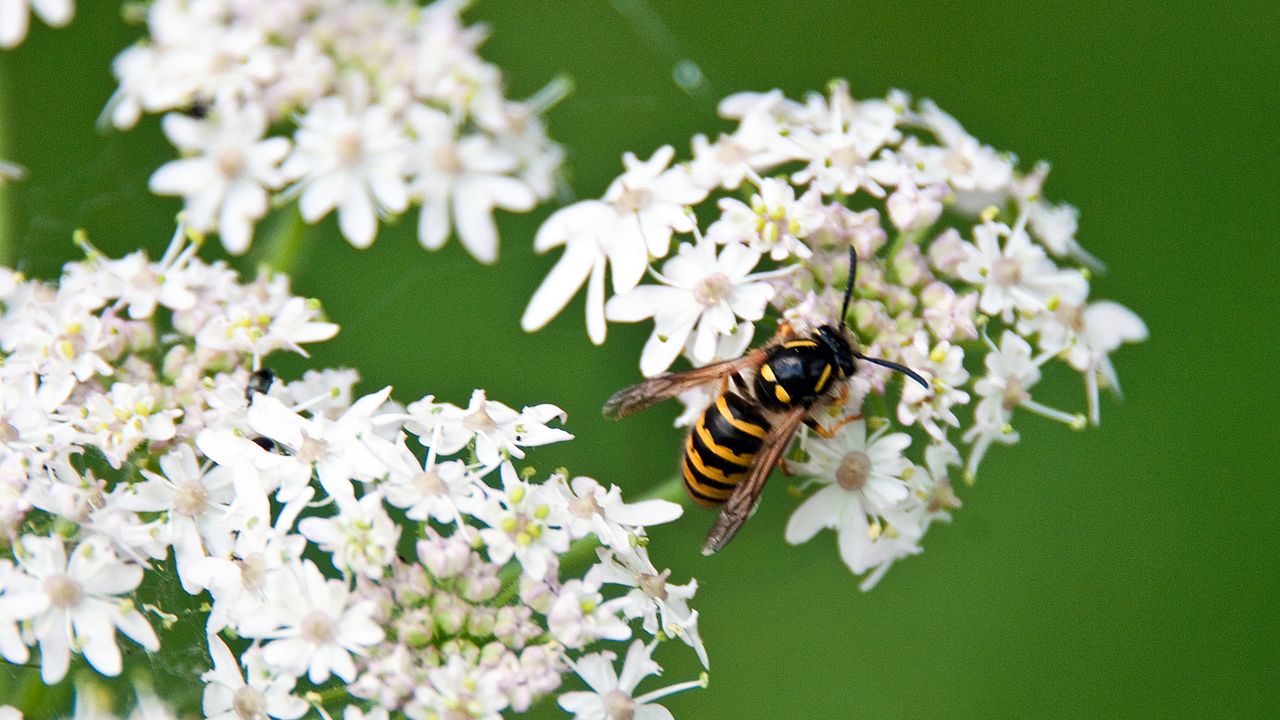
column 721, row 448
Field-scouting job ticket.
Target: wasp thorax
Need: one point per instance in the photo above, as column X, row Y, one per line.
column 1006, row 272
column 190, row 498
column 619, row 705
column 853, row 471
column 249, row 704
column 1014, row 395
column 713, row 289
column 63, row 591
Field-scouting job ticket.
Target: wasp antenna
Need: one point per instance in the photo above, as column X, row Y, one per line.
column 848, row 288
column 895, row 367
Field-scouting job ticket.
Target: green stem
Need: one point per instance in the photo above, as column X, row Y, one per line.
column 584, row 548
column 282, row 248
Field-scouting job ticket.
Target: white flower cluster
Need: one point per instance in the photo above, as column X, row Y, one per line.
column 15, row 20
column 10, row 172
column 955, row 246
column 381, row 104
column 331, row 562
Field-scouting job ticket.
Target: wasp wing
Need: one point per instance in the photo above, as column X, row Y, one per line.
column 668, row 385
column 738, row 507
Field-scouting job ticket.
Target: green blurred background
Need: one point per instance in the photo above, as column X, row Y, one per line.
column 1127, row 571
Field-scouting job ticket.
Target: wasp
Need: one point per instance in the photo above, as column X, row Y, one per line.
column 260, row 383
column 742, row 435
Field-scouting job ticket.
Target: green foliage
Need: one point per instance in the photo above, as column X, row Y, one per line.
column 1124, row 571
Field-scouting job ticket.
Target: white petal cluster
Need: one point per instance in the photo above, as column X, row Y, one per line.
column 362, row 108
column 337, row 547
column 15, row 18
column 955, row 245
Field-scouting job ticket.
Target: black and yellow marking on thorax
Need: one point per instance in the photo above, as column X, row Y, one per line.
column 721, row 448
column 779, row 392
column 822, row 379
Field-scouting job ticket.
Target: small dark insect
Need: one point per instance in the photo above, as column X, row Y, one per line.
column 259, row 383
column 198, row 109
column 742, row 436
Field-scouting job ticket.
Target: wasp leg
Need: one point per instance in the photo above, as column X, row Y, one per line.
column 828, row 433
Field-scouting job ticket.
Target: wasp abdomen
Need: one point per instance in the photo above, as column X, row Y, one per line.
column 721, row 448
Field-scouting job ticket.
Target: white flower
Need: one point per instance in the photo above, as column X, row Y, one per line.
column 650, row 200
column 592, row 510
column 1011, row 373
column 242, row 583
column 525, row 521
column 461, row 690
column 13, row 17
column 775, row 222
column 336, row 448
column 498, row 430
column 361, row 538
column 701, row 290
column 12, row 648
column 943, row 366
column 320, row 627
column 195, row 504
column 949, row 315
column 127, row 415
column 862, row 484
column 228, row 696
column 580, row 615
column 225, row 185
column 612, row 695
column 262, row 328
column 439, row 491
column 1018, row 276
column 837, row 152
column 75, row 602
column 463, row 179
column 967, row 165
column 352, row 160
column 635, row 220
column 661, row 604
column 1087, row 335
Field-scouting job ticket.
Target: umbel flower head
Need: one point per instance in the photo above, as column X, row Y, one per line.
column 966, row 274
column 362, row 107
column 339, row 549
